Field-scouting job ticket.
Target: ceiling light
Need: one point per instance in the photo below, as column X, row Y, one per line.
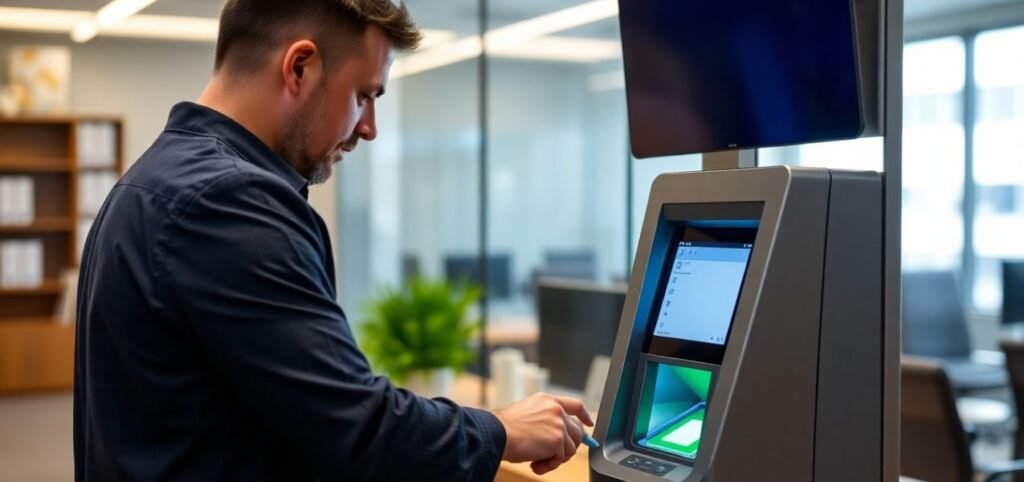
column 439, row 56
column 40, row 20
column 84, row 31
column 553, row 22
column 433, row 38
column 110, row 15
column 118, row 10
column 507, row 39
column 564, row 49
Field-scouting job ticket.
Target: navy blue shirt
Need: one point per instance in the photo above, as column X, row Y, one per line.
column 210, row 345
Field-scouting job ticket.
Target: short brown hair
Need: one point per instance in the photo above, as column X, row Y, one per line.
column 250, row 29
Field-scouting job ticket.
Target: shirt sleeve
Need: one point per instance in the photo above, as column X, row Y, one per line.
column 246, row 265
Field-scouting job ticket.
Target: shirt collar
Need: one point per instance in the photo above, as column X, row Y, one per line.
column 192, row 117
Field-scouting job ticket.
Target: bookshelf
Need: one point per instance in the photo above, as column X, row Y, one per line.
column 70, row 164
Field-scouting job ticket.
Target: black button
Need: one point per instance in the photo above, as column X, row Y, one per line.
column 647, row 465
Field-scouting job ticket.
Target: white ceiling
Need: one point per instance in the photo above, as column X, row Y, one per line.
column 461, row 15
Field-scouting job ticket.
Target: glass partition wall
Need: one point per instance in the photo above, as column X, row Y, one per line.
column 556, row 151
column 410, row 199
column 513, row 152
column 510, row 151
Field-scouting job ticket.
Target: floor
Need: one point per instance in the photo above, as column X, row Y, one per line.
column 35, row 438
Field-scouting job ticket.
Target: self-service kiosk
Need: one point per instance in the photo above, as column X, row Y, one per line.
column 750, row 347
column 759, row 338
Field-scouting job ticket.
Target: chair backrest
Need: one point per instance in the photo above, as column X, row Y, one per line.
column 1014, row 351
column 578, row 321
column 933, row 444
column 934, row 324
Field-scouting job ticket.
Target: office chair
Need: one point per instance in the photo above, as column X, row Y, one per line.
column 585, row 313
column 934, row 326
column 1014, row 351
column 933, row 443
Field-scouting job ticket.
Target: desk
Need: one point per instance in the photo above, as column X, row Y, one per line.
column 467, row 392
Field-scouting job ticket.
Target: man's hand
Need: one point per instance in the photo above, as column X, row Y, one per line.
column 543, row 429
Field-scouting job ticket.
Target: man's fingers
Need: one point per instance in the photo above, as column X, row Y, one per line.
column 574, row 429
column 575, row 407
column 568, row 448
column 563, row 447
column 541, row 467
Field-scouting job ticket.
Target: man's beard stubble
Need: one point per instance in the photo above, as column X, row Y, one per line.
column 298, row 132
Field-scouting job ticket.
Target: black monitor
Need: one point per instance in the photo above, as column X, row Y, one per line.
column 1013, row 291
column 575, row 264
column 578, row 321
column 733, row 74
column 466, row 268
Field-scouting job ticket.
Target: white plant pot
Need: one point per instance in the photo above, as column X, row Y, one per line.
column 436, row 382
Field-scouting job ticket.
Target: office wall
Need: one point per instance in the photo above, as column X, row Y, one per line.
column 139, row 80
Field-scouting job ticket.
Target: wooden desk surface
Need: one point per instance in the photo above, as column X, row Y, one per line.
column 467, row 392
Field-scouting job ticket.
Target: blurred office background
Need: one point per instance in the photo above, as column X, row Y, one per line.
column 517, row 159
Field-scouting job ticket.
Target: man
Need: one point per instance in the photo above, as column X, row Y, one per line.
column 209, row 344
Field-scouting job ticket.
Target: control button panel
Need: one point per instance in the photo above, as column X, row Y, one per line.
column 645, row 464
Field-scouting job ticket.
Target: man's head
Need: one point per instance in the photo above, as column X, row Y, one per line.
column 325, row 62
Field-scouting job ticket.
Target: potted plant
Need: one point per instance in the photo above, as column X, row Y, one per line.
column 420, row 337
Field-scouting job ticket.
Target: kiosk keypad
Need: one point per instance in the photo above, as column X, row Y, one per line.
column 645, row 464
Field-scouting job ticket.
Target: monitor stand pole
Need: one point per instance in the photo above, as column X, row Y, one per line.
column 718, row 161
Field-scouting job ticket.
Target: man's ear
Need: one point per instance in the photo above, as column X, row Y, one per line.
column 302, row 67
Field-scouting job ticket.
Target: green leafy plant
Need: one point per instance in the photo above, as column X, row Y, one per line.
column 427, row 326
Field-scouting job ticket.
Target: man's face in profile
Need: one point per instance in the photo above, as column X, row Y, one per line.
column 341, row 112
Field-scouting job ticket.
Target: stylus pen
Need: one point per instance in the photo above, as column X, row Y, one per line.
column 590, row 441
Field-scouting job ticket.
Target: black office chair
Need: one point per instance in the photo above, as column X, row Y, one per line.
column 582, row 313
column 1014, row 351
column 933, row 443
column 934, row 326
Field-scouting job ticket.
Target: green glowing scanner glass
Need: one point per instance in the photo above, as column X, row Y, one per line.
column 670, row 416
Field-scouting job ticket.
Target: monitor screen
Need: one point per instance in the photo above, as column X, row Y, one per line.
column 731, row 74
column 1013, row 291
column 700, row 296
column 699, row 289
column 670, row 414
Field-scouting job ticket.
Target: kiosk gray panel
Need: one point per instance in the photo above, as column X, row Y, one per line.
column 794, row 391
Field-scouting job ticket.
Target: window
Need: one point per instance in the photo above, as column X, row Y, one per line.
column 933, row 154
column 998, row 160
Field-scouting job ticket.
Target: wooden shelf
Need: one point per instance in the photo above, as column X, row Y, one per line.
column 39, row 322
column 49, row 287
column 36, row 351
column 98, row 168
column 38, row 165
column 23, row 120
column 36, row 354
column 41, row 226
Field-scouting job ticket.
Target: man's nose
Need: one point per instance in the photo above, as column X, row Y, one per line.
column 367, row 128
